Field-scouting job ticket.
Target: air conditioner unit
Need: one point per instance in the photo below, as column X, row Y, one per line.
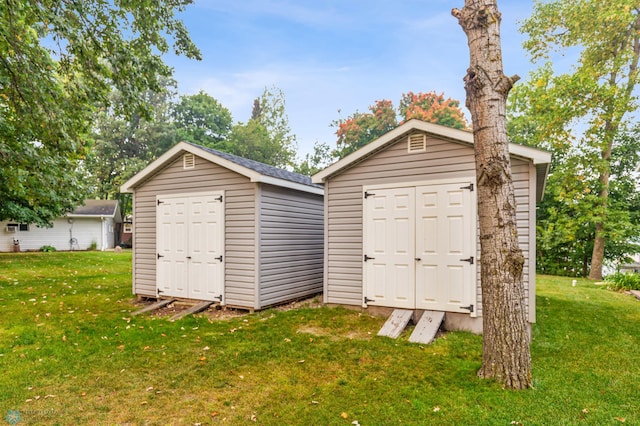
column 11, row 228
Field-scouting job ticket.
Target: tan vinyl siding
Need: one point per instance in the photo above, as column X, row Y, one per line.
column 239, row 225
column 291, row 245
column 442, row 160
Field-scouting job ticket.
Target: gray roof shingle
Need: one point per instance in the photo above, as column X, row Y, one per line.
column 97, row 208
column 263, row 169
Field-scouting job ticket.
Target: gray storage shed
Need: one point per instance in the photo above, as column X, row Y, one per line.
column 401, row 224
column 208, row 225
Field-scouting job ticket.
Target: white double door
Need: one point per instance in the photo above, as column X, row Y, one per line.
column 419, row 246
column 190, row 246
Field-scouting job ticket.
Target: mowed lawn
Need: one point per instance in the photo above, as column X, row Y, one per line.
column 71, row 353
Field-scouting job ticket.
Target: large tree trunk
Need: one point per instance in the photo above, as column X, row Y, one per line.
column 505, row 350
column 597, row 256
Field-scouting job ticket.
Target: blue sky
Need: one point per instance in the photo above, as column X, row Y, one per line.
column 331, row 58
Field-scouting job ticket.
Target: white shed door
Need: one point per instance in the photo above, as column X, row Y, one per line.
column 389, row 248
column 445, row 239
column 190, row 244
column 418, row 243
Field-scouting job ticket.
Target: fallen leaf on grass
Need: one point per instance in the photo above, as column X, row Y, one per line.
column 344, row 415
column 215, row 413
column 436, row 409
column 620, row 419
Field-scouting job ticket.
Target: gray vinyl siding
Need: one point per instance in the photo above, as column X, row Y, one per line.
column 343, row 221
column 240, row 251
column 291, row 245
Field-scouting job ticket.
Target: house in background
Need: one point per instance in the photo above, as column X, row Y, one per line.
column 401, row 227
column 212, row 226
column 633, row 267
column 94, row 225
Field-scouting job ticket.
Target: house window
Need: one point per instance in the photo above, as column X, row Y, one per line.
column 15, row 227
column 128, row 228
column 188, row 161
column 417, row 142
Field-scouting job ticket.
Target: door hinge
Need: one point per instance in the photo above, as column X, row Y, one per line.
column 469, row 259
column 159, row 256
column 218, row 297
column 368, row 194
column 218, row 198
column 368, row 258
column 367, row 300
column 468, row 308
column 469, row 187
column 159, row 202
column 218, row 258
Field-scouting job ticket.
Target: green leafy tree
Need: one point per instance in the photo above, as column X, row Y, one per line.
column 121, row 146
column 321, row 157
column 59, row 60
column 201, row 119
column 266, row 137
column 566, row 220
column 359, row 129
column 587, row 109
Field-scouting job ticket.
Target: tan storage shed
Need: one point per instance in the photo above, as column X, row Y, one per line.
column 401, row 223
column 212, row 226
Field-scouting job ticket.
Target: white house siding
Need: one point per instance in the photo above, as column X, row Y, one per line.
column 291, row 245
column 442, row 160
column 239, row 257
column 85, row 231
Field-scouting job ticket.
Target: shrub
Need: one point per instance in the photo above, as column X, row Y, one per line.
column 94, row 245
column 47, row 248
column 620, row 281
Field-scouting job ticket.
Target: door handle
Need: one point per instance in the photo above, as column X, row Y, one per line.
column 188, row 257
column 418, row 259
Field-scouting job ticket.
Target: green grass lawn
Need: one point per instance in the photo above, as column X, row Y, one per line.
column 70, row 353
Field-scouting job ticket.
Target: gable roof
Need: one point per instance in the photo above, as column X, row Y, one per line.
column 98, row 208
column 254, row 170
column 541, row 159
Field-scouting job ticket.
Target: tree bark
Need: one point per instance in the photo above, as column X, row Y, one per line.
column 505, row 350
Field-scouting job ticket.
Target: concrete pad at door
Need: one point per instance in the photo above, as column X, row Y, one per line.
column 396, row 323
column 427, row 327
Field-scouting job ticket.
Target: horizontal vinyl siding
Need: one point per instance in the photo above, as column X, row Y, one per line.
column 442, row 160
column 291, row 245
column 239, row 201
column 85, row 231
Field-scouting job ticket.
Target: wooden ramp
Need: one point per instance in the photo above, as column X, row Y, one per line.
column 192, row 310
column 427, row 327
column 159, row 304
column 396, row 323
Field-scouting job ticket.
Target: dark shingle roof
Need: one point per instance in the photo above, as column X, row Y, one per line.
column 97, row 208
column 263, row 169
